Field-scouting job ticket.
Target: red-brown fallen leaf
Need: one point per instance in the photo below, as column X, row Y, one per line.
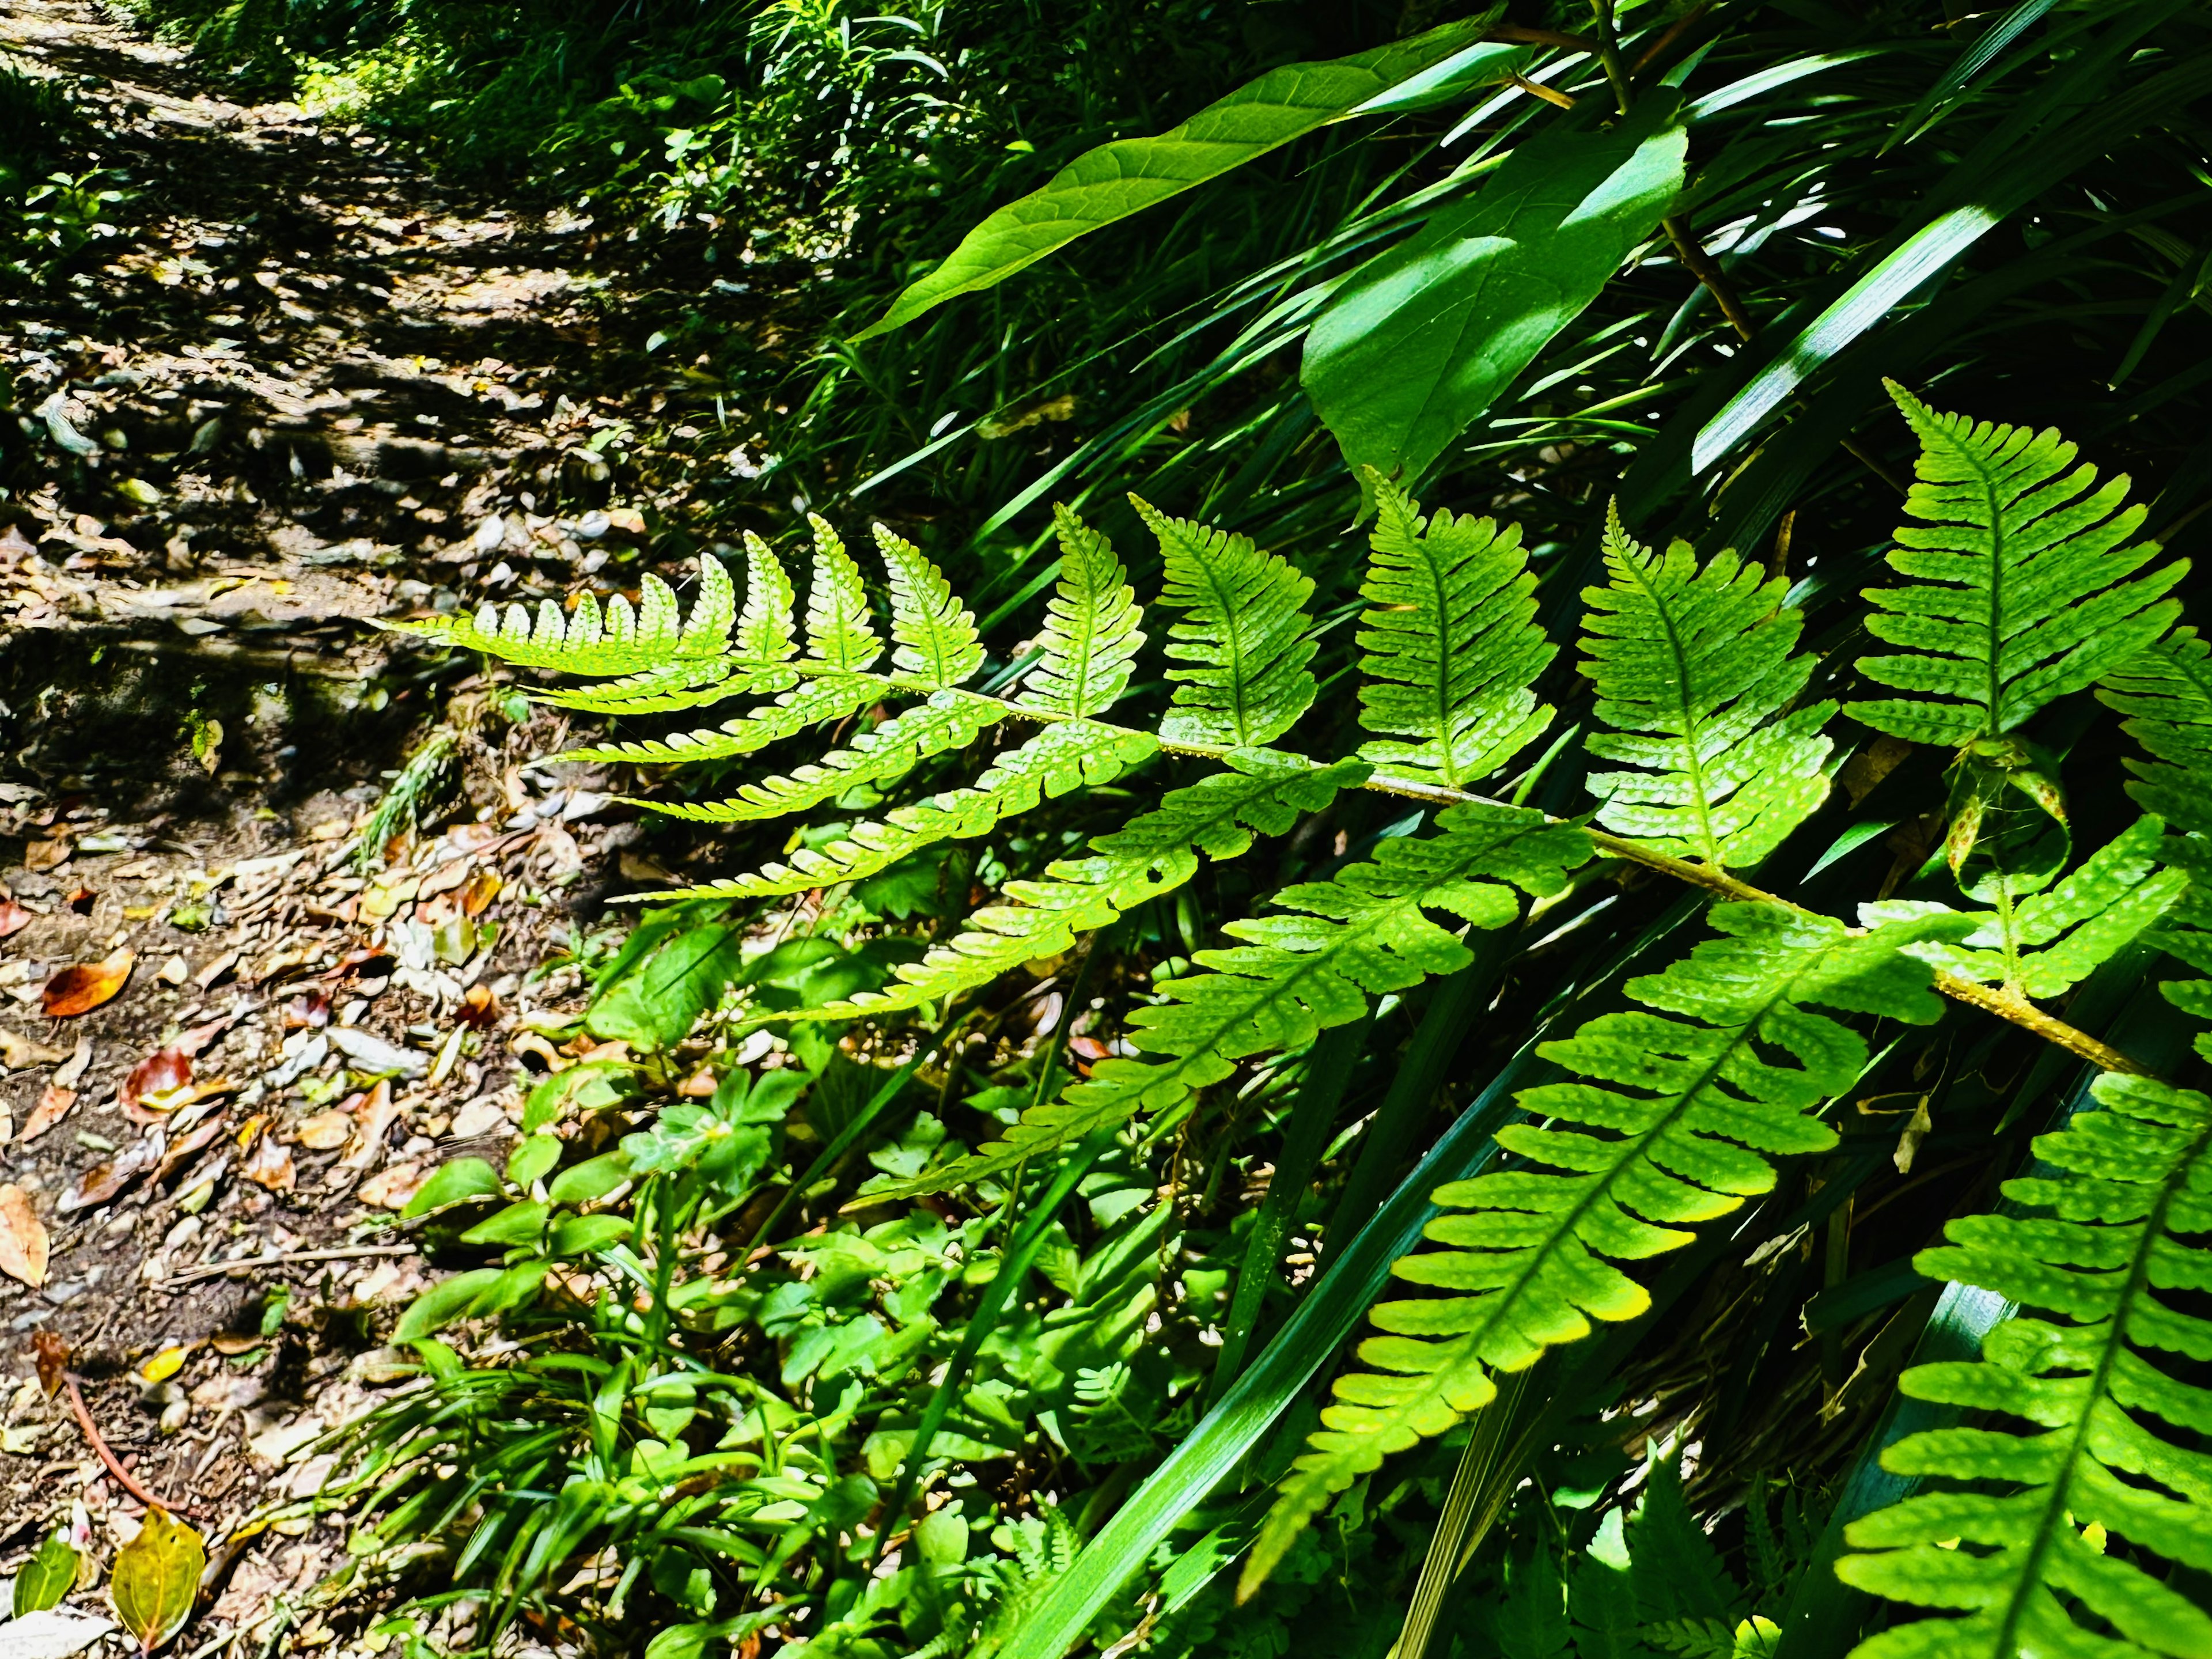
column 158, row 1073
column 14, row 918
column 103, row 1181
column 479, row 1007
column 53, row 1105
column 80, row 900
column 185, row 1145
column 81, row 989
column 50, row 1354
column 270, row 1164
column 22, row 1238
column 308, row 1011
column 190, row 1043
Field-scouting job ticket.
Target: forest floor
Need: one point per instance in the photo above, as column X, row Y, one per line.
column 309, row 387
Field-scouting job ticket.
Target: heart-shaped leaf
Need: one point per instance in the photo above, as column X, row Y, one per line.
column 156, row 1579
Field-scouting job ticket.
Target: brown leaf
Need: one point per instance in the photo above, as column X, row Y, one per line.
column 46, row 854
column 326, row 1132
column 372, row 1120
column 81, row 989
column 269, row 1165
column 81, row 900
column 158, row 1073
column 391, row 1189
column 50, row 1353
column 22, row 1238
column 14, row 918
column 70, row 1072
column 185, row 1145
column 307, row 1012
column 19, row 1053
column 53, row 1105
column 103, row 1181
column 191, row 1041
column 482, row 888
column 479, row 1007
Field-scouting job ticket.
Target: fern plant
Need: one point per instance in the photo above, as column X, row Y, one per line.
column 2023, row 588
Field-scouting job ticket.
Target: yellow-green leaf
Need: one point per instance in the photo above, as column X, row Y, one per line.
column 46, row 1577
column 157, row 1575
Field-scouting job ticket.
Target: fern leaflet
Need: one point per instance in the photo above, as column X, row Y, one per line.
column 1450, row 647
column 1246, row 636
column 764, row 626
column 827, row 698
column 2104, row 1376
column 585, row 642
column 1683, row 1113
column 1694, row 672
column 936, row 635
column 2167, row 693
column 2022, row 590
column 1090, row 636
column 1366, row 932
column 839, row 635
column 1071, row 754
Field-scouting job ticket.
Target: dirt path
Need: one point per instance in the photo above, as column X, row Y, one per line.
column 308, row 387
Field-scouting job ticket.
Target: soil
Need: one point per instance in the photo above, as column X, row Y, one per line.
column 310, row 388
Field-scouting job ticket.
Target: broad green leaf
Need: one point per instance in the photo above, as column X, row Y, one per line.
column 456, row 1182
column 517, row 1223
column 443, row 1302
column 1421, row 340
column 47, row 1577
column 594, row 1178
column 1117, row 179
column 156, row 1578
column 581, row 1234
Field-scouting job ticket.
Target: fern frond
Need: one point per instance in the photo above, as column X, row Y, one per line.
column 1154, row 853
column 878, row 757
column 1451, row 646
column 936, row 635
column 683, row 684
column 1246, row 638
column 1090, row 636
column 2051, row 941
column 583, row 641
column 839, row 633
column 2166, row 691
column 1694, row 672
column 1683, row 1112
column 1070, row 755
column 827, row 698
column 2104, row 1385
column 764, row 627
column 1366, row 932
column 2021, row 592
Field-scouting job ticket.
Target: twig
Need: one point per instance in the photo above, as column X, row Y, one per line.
column 218, row 1269
column 114, row 1466
column 1682, row 25
column 1549, row 94
column 1515, row 32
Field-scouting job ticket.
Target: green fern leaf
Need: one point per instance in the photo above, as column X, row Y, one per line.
column 936, row 636
column 1684, row 1111
column 1090, row 636
column 839, row 635
column 585, row 642
column 1451, row 646
column 878, row 757
column 2167, row 693
column 1246, row 638
column 2049, row 942
column 1073, row 754
column 764, row 627
column 1366, row 932
column 689, row 684
column 2021, row 590
column 2107, row 1382
column 1694, row 672
column 828, row 697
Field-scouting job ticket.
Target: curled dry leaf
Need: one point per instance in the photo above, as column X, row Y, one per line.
column 479, row 1007
column 14, row 918
column 270, row 1164
column 53, row 1106
column 156, row 1074
column 22, row 1238
column 391, row 1188
column 72, row 1070
column 104, row 1181
column 50, row 1358
column 47, row 853
column 83, row 987
column 185, row 1145
column 19, row 1053
column 81, row 899
column 326, row 1132
column 480, row 890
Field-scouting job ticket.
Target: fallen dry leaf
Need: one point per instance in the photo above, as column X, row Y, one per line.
column 53, row 1106
column 22, row 1238
column 191, row 1041
column 81, row 989
column 50, row 1355
column 479, row 1007
column 158, row 1073
column 72, row 1070
column 215, row 970
column 270, row 1164
column 185, row 1145
column 175, row 971
column 394, row 1186
column 14, row 918
column 81, row 900
column 46, row 854
column 103, row 1181
column 326, row 1132
column 476, row 897
column 19, row 1053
